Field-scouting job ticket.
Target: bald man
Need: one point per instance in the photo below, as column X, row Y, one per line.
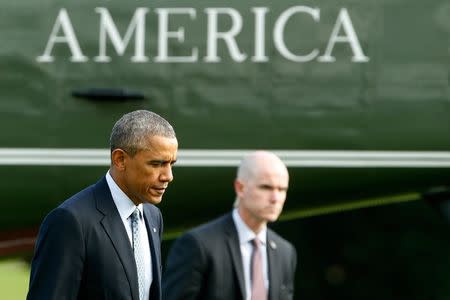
column 236, row 257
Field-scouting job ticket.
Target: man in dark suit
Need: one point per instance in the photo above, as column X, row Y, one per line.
column 104, row 242
column 236, row 257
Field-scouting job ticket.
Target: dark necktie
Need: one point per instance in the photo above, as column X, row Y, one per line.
column 258, row 288
column 138, row 251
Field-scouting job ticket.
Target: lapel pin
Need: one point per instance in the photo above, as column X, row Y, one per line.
column 154, row 229
column 272, row 245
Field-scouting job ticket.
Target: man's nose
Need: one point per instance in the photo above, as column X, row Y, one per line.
column 166, row 174
column 276, row 195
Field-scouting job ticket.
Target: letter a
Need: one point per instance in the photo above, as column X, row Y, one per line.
column 344, row 20
column 69, row 37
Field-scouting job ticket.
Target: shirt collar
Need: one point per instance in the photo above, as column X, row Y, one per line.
column 123, row 203
column 245, row 233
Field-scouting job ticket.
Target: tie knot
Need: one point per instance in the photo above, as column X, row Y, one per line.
column 256, row 242
column 136, row 214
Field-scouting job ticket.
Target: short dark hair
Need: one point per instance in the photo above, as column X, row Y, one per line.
column 131, row 130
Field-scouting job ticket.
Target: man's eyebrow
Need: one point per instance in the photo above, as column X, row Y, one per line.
column 158, row 161
column 161, row 161
column 271, row 186
column 266, row 185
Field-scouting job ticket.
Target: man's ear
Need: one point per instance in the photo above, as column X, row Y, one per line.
column 238, row 187
column 118, row 157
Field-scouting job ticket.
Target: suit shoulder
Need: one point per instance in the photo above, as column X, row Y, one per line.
column 210, row 232
column 86, row 197
column 279, row 240
column 83, row 198
column 79, row 206
column 204, row 240
column 214, row 226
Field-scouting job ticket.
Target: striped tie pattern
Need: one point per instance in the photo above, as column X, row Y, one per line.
column 138, row 251
column 258, row 288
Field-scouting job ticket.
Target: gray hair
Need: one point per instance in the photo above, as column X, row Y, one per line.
column 249, row 166
column 131, row 131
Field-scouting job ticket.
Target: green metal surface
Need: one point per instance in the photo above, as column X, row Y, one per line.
column 396, row 100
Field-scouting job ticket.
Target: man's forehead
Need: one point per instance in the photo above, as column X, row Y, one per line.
column 158, row 140
column 271, row 171
column 159, row 153
column 271, row 178
column 163, row 153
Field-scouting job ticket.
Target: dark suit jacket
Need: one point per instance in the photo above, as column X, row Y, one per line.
column 83, row 251
column 206, row 263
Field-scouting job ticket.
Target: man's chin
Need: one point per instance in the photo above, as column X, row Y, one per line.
column 154, row 200
column 272, row 218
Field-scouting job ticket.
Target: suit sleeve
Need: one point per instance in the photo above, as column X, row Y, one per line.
column 57, row 264
column 293, row 269
column 185, row 269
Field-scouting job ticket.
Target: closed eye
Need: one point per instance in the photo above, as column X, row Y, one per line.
column 269, row 187
column 266, row 187
column 160, row 163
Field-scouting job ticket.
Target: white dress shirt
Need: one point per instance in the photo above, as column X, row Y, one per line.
column 246, row 235
column 126, row 208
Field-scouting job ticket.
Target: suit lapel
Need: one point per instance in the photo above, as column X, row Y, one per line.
column 113, row 225
column 273, row 257
column 232, row 240
column 153, row 230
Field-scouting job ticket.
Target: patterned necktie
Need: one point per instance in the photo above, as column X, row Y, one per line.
column 138, row 251
column 258, row 288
